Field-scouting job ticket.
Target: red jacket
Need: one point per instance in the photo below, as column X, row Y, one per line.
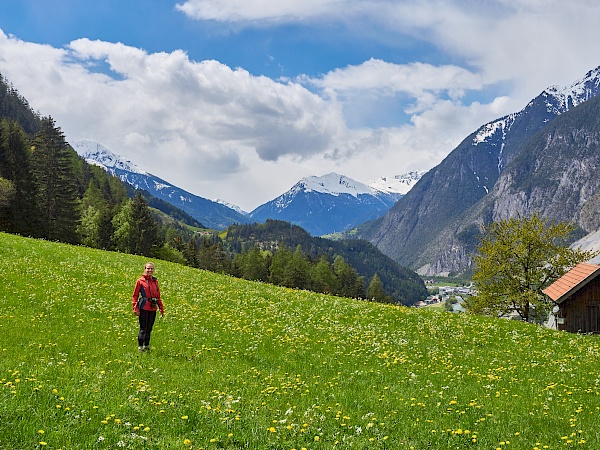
column 150, row 288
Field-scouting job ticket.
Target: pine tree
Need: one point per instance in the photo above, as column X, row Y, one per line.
column 93, row 213
column 55, row 175
column 190, row 252
column 22, row 215
column 323, row 278
column 143, row 230
column 351, row 284
column 296, row 272
column 254, row 265
column 7, row 192
column 281, row 258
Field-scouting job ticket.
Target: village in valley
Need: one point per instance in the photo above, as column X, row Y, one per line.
column 446, row 297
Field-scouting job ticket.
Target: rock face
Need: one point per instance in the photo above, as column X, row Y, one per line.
column 542, row 159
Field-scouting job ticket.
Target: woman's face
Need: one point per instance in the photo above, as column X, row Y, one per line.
column 149, row 269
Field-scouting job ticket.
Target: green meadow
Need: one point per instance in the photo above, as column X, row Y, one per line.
column 237, row 364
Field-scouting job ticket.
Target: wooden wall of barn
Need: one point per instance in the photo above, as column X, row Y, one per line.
column 581, row 311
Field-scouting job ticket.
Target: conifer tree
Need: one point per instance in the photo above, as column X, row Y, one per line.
column 55, row 176
column 296, row 272
column 323, row 278
column 93, row 213
column 376, row 292
column 190, row 252
column 351, row 284
column 143, row 230
column 254, row 265
column 281, row 258
column 7, row 192
column 21, row 215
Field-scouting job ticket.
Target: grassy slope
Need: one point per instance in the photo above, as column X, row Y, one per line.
column 237, row 364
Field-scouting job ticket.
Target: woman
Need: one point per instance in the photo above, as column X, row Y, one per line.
column 145, row 302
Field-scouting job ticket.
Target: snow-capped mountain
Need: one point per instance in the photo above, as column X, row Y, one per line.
column 99, row 155
column 399, row 184
column 210, row 213
column 229, row 205
column 432, row 229
column 327, row 204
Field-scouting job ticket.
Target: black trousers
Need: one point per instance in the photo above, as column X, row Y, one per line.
column 147, row 319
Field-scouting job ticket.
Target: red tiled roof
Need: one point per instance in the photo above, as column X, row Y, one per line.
column 572, row 281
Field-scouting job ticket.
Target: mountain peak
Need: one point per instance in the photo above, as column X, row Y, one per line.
column 333, row 184
column 212, row 214
column 398, row 184
column 577, row 92
column 97, row 154
column 556, row 100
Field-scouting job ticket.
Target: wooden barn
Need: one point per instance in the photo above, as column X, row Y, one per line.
column 577, row 294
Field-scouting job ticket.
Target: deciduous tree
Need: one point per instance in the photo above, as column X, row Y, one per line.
column 516, row 259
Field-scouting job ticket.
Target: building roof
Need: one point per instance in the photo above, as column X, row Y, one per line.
column 572, row 281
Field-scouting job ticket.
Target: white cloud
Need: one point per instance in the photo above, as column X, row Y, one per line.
column 261, row 10
column 536, row 42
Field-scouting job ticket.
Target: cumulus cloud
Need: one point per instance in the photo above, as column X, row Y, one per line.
column 165, row 98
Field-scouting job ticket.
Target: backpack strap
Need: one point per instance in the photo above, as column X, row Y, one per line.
column 143, row 299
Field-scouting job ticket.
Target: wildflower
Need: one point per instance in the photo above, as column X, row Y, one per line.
column 186, row 442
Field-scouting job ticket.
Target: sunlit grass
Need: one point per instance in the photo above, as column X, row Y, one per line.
column 237, row 364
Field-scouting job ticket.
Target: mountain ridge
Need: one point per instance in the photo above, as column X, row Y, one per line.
column 412, row 232
column 321, row 205
column 331, row 203
column 212, row 214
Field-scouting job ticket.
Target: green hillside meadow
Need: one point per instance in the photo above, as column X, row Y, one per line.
column 237, row 364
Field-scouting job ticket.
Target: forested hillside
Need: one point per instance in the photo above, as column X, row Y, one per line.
column 403, row 285
column 48, row 191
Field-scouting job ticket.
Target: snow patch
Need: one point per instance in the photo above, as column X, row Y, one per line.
column 398, row 184
column 97, row 154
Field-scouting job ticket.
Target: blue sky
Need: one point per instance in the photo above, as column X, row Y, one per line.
column 239, row 99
